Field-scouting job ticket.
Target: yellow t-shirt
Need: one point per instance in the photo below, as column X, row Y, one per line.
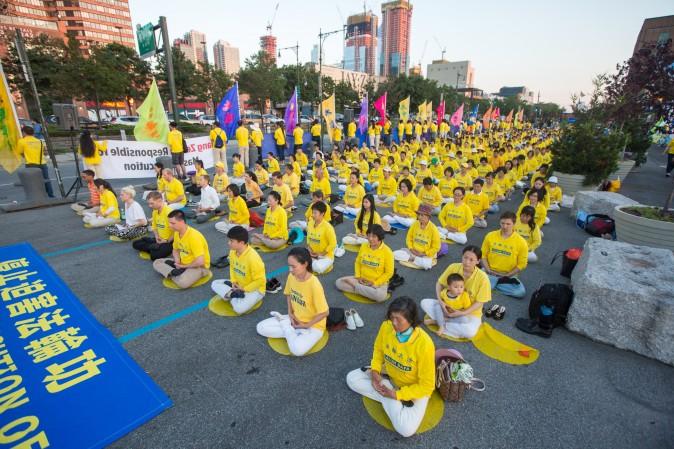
column 465, row 181
column 256, row 137
column 273, row 165
column 353, row 196
column 238, row 211
column 461, row 302
column 298, row 135
column 220, row 182
column 411, row 365
column 459, row 217
column 505, row 254
column 315, row 130
column 96, row 158
column 108, row 200
column 321, row 239
column 307, row 299
column 376, row 175
column 31, row 149
column 446, row 187
column 242, row 135
column 477, row 285
column 555, row 193
column 366, row 221
column 276, row 223
column 191, row 246
column 493, row 192
column 308, row 214
column 280, row 136
column 286, row 194
column 533, row 238
column 292, row 181
column 432, row 196
column 387, row 187
column 238, row 169
column 351, row 130
column 175, row 141
column 482, row 170
column 337, row 134
column 215, row 132
column 160, row 223
column 541, row 212
column 173, row 190
column 262, row 176
column 247, row 270
column 670, row 147
column 406, row 206
column 478, row 203
column 323, row 185
column 374, row 265
column 426, row 240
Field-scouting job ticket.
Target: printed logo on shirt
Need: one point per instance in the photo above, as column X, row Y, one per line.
column 397, row 364
column 239, row 269
column 296, row 296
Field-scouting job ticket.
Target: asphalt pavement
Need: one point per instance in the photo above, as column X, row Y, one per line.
column 230, row 390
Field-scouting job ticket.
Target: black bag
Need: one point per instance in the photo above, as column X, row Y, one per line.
column 186, row 148
column 219, row 143
column 304, row 190
column 599, row 224
column 334, row 198
column 569, row 260
column 336, row 317
column 557, row 297
column 337, row 217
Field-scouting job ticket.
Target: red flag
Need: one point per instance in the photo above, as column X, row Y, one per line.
column 440, row 111
column 457, row 117
column 380, row 106
column 486, row 118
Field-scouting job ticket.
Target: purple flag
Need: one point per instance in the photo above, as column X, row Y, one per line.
column 290, row 117
column 227, row 113
column 362, row 118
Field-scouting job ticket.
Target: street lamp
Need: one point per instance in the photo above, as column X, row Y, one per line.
column 321, row 37
column 296, row 49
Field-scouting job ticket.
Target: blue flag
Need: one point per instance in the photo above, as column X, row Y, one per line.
column 228, row 114
column 290, row 116
column 362, row 118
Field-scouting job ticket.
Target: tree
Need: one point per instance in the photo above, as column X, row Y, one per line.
column 345, row 95
column 261, row 79
column 184, row 74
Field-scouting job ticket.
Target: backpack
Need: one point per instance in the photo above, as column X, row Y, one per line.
column 555, row 297
column 186, row 148
column 336, row 319
column 598, row 224
column 219, row 143
column 255, row 220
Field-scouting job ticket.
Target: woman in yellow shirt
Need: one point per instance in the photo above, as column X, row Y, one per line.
column 353, row 196
column 404, row 206
column 91, row 151
column 253, row 190
column 275, row 230
column 422, row 240
column 367, row 216
column 262, row 176
column 532, row 200
column 527, row 228
column 456, row 218
column 373, row 268
column 505, row 256
column 447, row 185
column 239, row 215
column 305, row 323
column 272, row 163
column 407, row 355
column 108, row 213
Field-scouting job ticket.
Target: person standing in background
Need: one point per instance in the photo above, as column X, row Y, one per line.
column 242, row 138
column 219, row 144
column 175, row 143
column 33, row 151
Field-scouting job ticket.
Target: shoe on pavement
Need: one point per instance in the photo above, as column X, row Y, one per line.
column 532, row 327
column 350, row 321
column 356, row 318
column 273, row 286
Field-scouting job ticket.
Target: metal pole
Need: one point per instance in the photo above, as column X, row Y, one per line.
column 169, row 68
column 297, row 58
column 28, row 73
column 320, row 86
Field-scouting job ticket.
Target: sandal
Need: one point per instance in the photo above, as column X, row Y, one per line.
column 490, row 311
column 500, row 313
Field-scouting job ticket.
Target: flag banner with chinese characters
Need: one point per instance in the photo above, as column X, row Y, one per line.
column 421, row 112
column 67, row 382
column 404, row 109
column 152, row 123
column 329, row 115
column 9, row 128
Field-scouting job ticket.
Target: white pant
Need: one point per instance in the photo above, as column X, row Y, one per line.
column 220, row 155
column 298, row 224
column 300, row 341
column 348, row 210
column 224, row 226
column 385, row 199
column 405, row 420
column 353, row 239
column 480, row 222
column 554, row 207
column 95, row 221
column 238, row 181
column 341, row 187
column 460, row 327
column 245, row 156
column 405, row 221
column 547, row 220
column 532, row 257
column 458, row 237
column 240, row 305
column 175, row 206
column 403, row 255
column 321, row 264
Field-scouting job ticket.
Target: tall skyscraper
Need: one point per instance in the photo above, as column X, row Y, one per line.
column 226, row 57
column 186, row 49
column 89, row 22
column 360, row 51
column 197, row 40
column 268, row 45
column 396, row 19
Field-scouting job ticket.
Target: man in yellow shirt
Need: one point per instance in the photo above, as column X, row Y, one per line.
column 387, row 188
column 246, row 284
column 337, row 136
column 174, row 191
column 373, row 268
column 430, row 194
column 280, row 139
column 160, row 245
column 219, row 144
column 275, row 231
column 321, row 239
column 175, row 143
column 478, row 201
column 423, row 241
column 504, row 255
column 351, row 132
column 298, row 136
column 32, row 149
column 670, row 157
column 316, row 132
column 287, row 199
column 256, row 137
column 242, row 139
column 191, row 259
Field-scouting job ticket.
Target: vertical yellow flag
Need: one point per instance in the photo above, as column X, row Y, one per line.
column 429, row 110
column 10, row 133
column 404, row 109
column 421, row 115
column 153, row 123
column 329, row 115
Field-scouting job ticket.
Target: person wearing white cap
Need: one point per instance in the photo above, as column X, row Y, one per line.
column 554, row 193
column 422, row 240
column 423, row 172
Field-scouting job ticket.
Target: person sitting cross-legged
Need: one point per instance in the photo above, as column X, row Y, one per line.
column 505, row 255
column 160, row 245
column 423, row 241
column 353, row 196
column 275, row 230
column 239, row 215
column 321, row 239
column 135, row 221
column 209, row 201
column 373, row 268
column 174, row 191
column 246, row 284
column 478, row 201
column 456, row 218
column 404, row 206
column 191, row 258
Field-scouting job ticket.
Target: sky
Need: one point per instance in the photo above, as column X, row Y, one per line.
column 554, row 48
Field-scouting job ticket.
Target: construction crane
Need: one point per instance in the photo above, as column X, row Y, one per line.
column 271, row 23
column 443, row 50
column 423, row 53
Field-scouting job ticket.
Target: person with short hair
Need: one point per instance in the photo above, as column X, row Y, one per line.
column 280, row 140
column 238, row 170
column 423, row 241
column 275, row 231
column 33, row 151
column 191, row 258
column 494, row 193
column 256, row 138
column 321, row 239
column 387, row 188
column 219, row 144
column 263, row 178
column 108, row 212
column 478, row 201
column 305, row 323
column 239, row 215
column 161, row 244
column 242, row 139
column 175, row 144
column 405, row 205
column 194, row 188
column 287, row 199
column 373, row 268
column 533, row 200
column 174, row 191
column 447, row 184
column 221, row 180
column 430, row 194
column 298, row 136
column 291, row 178
column 94, row 202
column 316, row 197
column 246, row 284
column 208, row 203
column 134, row 216
column 406, row 354
column 456, row 218
column 505, row 256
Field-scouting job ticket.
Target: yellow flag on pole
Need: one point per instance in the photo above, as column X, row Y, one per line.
column 329, row 115
column 429, row 110
column 404, row 109
column 10, row 132
column 421, row 113
column 153, row 123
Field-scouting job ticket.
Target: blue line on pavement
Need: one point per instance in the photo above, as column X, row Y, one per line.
column 182, row 313
column 77, row 248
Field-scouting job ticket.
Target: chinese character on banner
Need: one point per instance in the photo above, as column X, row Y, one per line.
column 61, row 376
column 29, row 326
column 30, row 305
column 23, row 289
column 7, row 265
column 17, row 276
column 55, row 344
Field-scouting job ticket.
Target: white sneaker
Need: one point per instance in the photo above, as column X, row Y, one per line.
column 356, row 318
column 276, row 315
column 350, row 321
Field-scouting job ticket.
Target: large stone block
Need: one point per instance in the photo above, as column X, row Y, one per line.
column 599, row 202
column 624, row 296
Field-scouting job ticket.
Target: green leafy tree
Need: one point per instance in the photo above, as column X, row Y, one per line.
column 184, row 73
column 261, row 79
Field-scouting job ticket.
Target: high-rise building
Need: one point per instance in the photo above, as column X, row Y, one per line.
column 655, row 30
column 226, row 57
column 197, row 40
column 457, row 74
column 186, row 49
column 94, row 22
column 360, row 50
column 268, row 45
column 519, row 92
column 314, row 54
column 396, row 24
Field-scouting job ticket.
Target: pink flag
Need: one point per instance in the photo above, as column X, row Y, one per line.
column 457, row 117
column 380, row 106
column 440, row 111
column 496, row 114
